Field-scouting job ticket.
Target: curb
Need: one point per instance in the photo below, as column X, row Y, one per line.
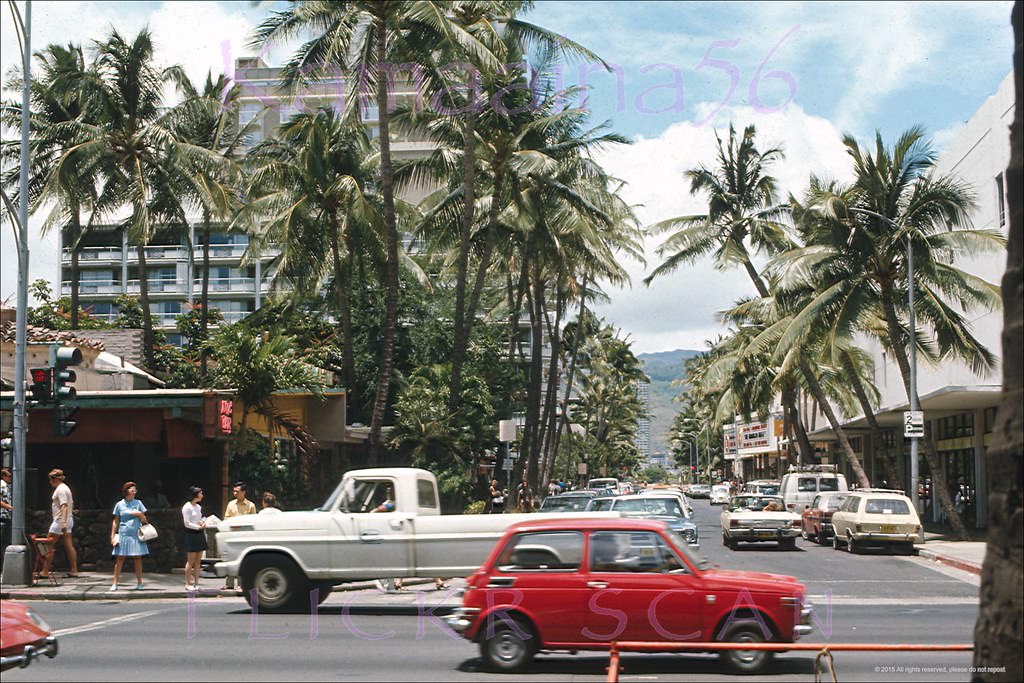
column 963, row 565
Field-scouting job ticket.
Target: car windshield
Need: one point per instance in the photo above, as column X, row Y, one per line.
column 828, row 484
column 832, row 503
column 886, row 506
column 600, row 504
column 753, row 502
column 652, row 505
column 564, row 503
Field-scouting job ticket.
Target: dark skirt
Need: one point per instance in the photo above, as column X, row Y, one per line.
column 195, row 540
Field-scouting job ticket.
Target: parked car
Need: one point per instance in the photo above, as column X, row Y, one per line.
column 573, row 501
column 720, row 494
column 600, row 504
column 665, row 507
column 801, row 484
column 582, row 584
column 879, row 517
column 24, row 636
column 700, row 491
column 755, row 519
column 816, row 519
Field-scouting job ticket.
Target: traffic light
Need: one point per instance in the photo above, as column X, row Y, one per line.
column 42, row 385
column 63, row 425
column 62, row 359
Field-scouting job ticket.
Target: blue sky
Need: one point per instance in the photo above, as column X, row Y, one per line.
column 825, row 69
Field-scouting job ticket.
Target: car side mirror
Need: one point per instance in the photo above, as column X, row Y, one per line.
column 807, row 507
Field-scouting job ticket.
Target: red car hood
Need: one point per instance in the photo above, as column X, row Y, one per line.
column 728, row 579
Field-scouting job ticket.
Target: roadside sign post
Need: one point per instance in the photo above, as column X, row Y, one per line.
column 913, row 424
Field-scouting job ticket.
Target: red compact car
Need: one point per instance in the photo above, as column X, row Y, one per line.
column 24, row 636
column 586, row 583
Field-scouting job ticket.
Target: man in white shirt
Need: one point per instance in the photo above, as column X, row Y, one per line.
column 61, row 505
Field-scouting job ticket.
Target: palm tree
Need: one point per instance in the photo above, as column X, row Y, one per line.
column 59, row 95
column 867, row 256
column 134, row 150
column 314, row 175
column 742, row 209
column 209, row 119
column 365, row 38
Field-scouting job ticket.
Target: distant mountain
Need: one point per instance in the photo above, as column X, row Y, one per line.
column 663, row 368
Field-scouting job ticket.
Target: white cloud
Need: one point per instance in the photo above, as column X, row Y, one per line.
column 680, row 310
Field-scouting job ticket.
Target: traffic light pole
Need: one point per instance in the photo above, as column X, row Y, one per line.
column 16, row 567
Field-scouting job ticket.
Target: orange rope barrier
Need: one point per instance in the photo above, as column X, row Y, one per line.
column 821, row 648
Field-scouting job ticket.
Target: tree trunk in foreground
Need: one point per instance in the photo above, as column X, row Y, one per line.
column 997, row 633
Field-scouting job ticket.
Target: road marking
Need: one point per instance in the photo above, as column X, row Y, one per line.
column 819, row 600
column 97, row 625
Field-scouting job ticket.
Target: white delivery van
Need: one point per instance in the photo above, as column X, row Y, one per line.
column 802, row 483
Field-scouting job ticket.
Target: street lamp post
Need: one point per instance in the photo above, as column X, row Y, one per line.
column 705, row 427
column 911, row 327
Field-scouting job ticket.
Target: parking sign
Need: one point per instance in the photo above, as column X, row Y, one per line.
column 913, row 424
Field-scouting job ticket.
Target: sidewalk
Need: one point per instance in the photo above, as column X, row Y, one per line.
column 96, row 586
column 965, row 555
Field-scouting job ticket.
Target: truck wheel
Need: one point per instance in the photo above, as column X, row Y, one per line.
column 822, row 538
column 278, row 584
column 746, row 661
column 509, row 648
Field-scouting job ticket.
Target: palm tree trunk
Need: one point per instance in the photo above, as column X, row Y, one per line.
column 488, row 248
column 564, row 426
column 826, row 407
column 931, row 453
column 344, row 308
column 759, row 284
column 533, row 397
column 869, row 414
column 463, row 315
column 550, row 419
column 800, row 429
column 1001, row 612
column 514, row 351
column 76, row 237
column 387, row 350
column 204, row 301
column 148, row 339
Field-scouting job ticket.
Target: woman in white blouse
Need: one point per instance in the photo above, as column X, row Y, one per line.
column 195, row 537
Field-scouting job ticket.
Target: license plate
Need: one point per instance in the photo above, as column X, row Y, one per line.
column 764, row 534
column 888, row 528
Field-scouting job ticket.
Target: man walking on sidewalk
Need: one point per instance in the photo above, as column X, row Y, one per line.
column 239, row 506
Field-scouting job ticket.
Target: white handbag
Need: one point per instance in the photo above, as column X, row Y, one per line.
column 147, row 532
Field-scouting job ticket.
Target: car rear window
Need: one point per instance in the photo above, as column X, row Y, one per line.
column 828, row 484
column 600, row 504
column 653, row 506
column 807, row 484
column 542, row 551
column 886, row 506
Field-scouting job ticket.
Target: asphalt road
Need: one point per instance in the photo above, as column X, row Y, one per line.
column 859, row 598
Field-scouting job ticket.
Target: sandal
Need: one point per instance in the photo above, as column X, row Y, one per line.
column 69, row 575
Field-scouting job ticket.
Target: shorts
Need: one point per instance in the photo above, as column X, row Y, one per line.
column 55, row 526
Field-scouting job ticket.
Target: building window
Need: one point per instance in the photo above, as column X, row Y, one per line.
column 1001, row 200
column 955, row 426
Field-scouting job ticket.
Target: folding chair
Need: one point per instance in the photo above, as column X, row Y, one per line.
column 42, row 547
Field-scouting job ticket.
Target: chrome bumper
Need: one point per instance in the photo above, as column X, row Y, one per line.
column 461, row 618
column 878, row 537
column 223, row 569
column 804, row 627
column 31, row 653
column 754, row 534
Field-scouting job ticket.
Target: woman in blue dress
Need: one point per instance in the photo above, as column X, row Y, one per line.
column 129, row 515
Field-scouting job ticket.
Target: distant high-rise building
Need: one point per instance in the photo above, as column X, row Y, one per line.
column 643, row 424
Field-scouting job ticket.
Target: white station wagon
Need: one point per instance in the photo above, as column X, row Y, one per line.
column 877, row 517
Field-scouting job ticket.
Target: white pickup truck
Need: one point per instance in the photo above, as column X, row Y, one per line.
column 378, row 523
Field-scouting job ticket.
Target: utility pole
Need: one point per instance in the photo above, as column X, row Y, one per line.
column 16, row 569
